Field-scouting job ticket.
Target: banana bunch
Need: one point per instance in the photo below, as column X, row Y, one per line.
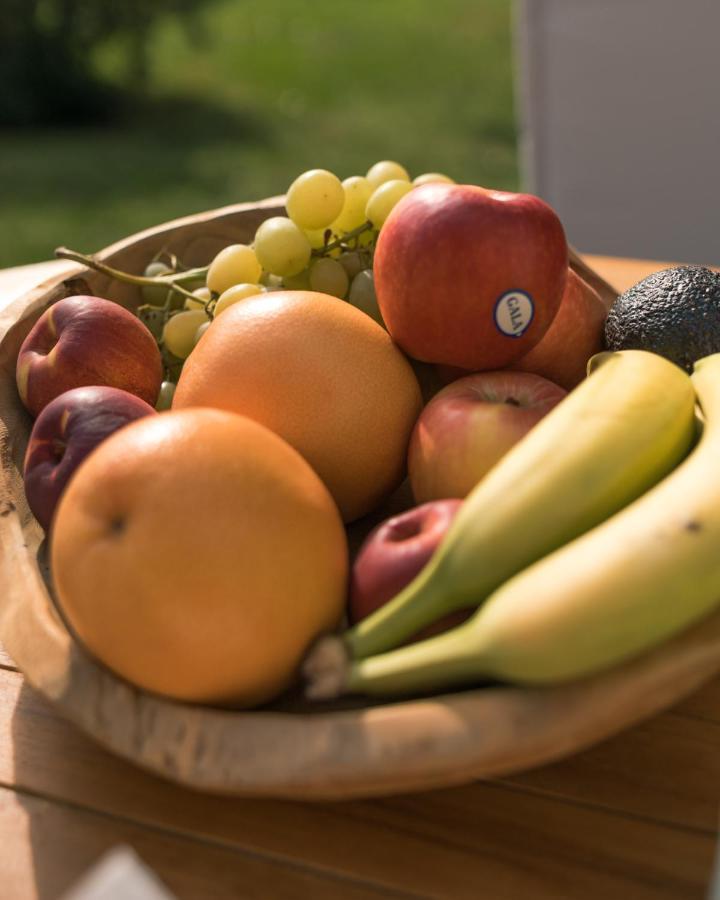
column 617, row 434
column 581, row 548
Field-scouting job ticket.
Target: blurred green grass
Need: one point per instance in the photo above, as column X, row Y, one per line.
column 274, row 88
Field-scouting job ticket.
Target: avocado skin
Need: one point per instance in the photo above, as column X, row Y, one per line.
column 674, row 313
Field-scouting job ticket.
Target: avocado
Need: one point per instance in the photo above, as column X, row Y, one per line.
column 674, row 313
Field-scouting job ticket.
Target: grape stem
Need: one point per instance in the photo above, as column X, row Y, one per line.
column 173, row 281
column 342, row 241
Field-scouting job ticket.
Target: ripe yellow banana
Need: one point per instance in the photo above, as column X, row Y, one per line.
column 625, row 427
column 633, row 581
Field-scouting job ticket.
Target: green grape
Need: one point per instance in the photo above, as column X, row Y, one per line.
column 384, row 199
column 314, row 199
column 299, row 282
column 234, row 294
column 431, row 177
column 155, row 268
column 179, row 331
column 367, row 239
column 281, row 247
column 329, row 277
column 236, row 264
column 386, row 170
column 201, row 331
column 165, row 397
column 357, row 193
column 362, row 295
column 155, row 294
column 352, row 262
column 203, row 294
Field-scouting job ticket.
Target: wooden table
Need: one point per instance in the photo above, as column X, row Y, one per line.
column 634, row 817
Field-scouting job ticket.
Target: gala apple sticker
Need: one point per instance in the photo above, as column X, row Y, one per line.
column 514, row 312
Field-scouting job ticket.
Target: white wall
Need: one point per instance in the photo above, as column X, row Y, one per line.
column 619, row 104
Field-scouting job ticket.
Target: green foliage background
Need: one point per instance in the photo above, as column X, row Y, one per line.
column 252, row 93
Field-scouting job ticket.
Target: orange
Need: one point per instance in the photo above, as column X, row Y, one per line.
column 198, row 555
column 321, row 374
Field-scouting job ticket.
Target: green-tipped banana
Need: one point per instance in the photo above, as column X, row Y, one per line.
column 633, row 581
column 625, row 427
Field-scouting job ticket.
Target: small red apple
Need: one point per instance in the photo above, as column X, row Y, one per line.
column 470, row 425
column 469, row 277
column 393, row 554
column 577, row 332
column 81, row 341
column 65, row 432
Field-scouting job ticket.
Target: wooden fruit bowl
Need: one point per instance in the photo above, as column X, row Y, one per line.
column 291, row 749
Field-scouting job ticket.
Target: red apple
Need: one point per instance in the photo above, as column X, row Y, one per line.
column 470, row 425
column 469, row 277
column 65, row 432
column 576, row 333
column 393, row 554
column 82, row 341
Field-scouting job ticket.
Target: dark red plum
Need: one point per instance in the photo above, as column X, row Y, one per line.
column 65, row 432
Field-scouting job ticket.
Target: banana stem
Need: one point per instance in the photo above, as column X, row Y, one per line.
column 450, row 659
column 419, row 604
column 325, row 668
column 174, row 281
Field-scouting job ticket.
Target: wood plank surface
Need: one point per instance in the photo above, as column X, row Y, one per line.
column 593, row 842
column 47, row 846
column 665, row 770
column 623, row 273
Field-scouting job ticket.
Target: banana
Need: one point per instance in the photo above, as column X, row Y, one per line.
column 618, row 433
column 630, row 583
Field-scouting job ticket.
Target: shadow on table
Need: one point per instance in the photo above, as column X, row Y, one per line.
column 74, row 801
column 591, row 822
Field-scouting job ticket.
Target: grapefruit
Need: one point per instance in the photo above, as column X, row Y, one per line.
column 322, row 375
column 198, row 555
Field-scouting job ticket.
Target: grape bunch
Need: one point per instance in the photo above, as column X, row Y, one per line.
column 325, row 243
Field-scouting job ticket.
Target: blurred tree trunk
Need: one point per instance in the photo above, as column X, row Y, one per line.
column 47, row 71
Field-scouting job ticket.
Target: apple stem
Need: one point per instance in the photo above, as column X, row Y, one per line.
column 173, row 281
